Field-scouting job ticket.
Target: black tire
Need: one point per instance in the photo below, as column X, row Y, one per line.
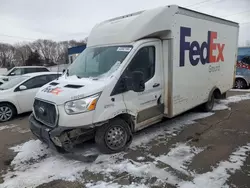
column 120, row 130
column 7, row 112
column 240, row 83
column 209, row 105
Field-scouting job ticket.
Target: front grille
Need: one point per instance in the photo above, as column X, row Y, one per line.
column 45, row 112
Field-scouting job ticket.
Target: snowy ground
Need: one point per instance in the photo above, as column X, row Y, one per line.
column 241, row 90
column 35, row 164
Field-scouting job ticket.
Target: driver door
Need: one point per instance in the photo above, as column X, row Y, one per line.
column 148, row 105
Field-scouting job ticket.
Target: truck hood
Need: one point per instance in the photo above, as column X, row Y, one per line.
column 70, row 88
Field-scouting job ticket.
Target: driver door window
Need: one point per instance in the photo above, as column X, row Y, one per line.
column 144, row 61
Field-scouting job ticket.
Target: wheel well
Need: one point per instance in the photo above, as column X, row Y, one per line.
column 217, row 93
column 129, row 120
column 9, row 103
column 242, row 79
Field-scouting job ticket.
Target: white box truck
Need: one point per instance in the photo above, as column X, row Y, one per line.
column 136, row 70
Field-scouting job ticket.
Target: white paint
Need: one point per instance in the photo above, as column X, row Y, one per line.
column 179, row 156
column 219, row 175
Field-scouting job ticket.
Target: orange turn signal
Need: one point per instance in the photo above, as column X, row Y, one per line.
column 92, row 105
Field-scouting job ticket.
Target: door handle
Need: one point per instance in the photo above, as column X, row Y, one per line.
column 156, row 85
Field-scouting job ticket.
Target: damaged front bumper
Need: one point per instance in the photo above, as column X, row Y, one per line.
column 61, row 139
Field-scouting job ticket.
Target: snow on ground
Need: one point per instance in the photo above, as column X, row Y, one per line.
column 35, row 160
column 218, row 177
column 243, row 90
column 140, row 158
column 102, row 184
column 223, row 104
column 180, row 156
column 172, row 127
column 14, row 128
column 11, row 126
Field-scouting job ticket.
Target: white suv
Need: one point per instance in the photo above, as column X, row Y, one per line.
column 17, row 71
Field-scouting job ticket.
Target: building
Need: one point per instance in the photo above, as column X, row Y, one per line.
column 74, row 52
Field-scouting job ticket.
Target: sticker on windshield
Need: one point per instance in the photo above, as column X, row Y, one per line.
column 124, row 49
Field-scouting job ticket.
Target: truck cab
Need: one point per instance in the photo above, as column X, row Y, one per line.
column 135, row 70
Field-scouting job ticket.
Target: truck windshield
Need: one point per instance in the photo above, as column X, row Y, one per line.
column 98, row 61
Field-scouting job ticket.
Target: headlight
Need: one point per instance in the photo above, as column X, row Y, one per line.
column 81, row 105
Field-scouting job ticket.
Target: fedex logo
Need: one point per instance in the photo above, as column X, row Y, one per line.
column 196, row 50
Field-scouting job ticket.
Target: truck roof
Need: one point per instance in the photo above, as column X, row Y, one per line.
column 148, row 23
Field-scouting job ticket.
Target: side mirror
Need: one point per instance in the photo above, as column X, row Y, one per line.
column 64, row 71
column 22, row 87
column 12, row 74
column 138, row 81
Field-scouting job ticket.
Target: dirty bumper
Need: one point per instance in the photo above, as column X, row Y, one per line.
column 89, row 154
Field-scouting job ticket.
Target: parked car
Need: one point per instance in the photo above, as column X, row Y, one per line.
column 17, row 95
column 242, row 77
column 17, row 71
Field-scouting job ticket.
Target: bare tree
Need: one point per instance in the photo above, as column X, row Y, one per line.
column 22, row 53
column 46, row 48
column 61, row 52
column 51, row 52
column 7, row 53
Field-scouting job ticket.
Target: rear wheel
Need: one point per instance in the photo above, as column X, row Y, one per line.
column 7, row 112
column 240, row 84
column 209, row 105
column 113, row 137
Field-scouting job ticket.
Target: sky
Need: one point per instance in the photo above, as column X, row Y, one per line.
column 28, row 20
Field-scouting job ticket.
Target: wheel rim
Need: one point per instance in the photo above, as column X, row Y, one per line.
column 239, row 84
column 5, row 113
column 116, row 137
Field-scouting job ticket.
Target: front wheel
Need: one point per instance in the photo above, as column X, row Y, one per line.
column 113, row 137
column 240, row 84
column 7, row 112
